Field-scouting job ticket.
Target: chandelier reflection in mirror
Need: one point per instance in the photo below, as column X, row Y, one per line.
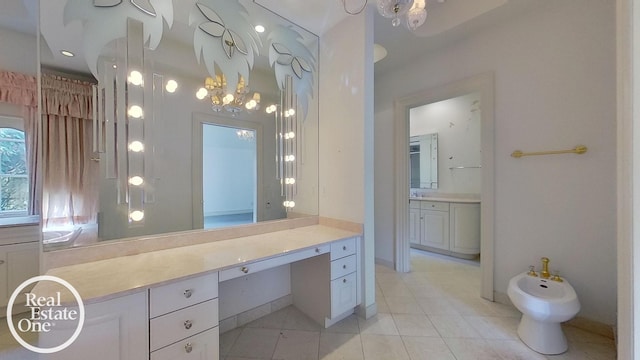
column 287, row 126
column 233, row 101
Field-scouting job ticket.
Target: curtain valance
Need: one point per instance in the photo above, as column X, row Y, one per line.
column 18, row 89
column 65, row 97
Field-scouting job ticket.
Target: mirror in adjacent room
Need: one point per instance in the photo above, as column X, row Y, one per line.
column 445, row 145
column 423, row 157
column 143, row 90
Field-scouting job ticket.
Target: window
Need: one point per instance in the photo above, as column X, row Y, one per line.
column 14, row 177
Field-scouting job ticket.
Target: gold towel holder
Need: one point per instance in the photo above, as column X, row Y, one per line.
column 579, row 149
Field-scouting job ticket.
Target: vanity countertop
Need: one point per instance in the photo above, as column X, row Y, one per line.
column 105, row 279
column 455, row 198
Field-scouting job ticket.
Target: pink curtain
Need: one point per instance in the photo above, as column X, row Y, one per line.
column 70, row 176
column 20, row 89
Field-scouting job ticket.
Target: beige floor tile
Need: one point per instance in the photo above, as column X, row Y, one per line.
column 473, row 305
column 381, row 324
column 453, row 326
column 227, row 340
column 255, row 343
column 334, row 346
column 426, row 290
column 381, row 303
column 427, row 348
column 574, row 334
column 514, row 350
column 597, row 351
column 297, row 320
column 403, row 305
column 297, row 345
column 437, row 306
column 394, row 288
column 414, row 325
column 494, row 327
column 275, row 320
column 349, row 325
column 471, row 349
column 383, row 347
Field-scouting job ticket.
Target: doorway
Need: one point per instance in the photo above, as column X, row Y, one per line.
column 483, row 85
column 226, row 172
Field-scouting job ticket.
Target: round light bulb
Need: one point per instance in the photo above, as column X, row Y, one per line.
column 291, row 112
column 227, row 99
column 135, row 78
column 292, row 204
column 136, row 146
column 136, row 215
column 136, row 180
column 135, row 112
column 292, row 135
column 271, row 109
column 250, row 104
column 171, row 86
column 202, row 93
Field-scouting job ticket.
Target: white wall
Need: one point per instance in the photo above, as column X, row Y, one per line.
column 346, row 131
column 457, row 123
column 554, row 88
column 19, row 52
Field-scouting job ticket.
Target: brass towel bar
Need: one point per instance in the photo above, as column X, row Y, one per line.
column 579, row 149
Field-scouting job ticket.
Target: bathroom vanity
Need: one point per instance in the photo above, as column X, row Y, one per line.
column 448, row 225
column 19, row 257
column 165, row 304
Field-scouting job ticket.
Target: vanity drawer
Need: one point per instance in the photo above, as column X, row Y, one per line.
column 180, row 294
column 342, row 248
column 250, row 268
column 435, row 205
column 181, row 324
column 414, row 204
column 343, row 266
column 198, row 347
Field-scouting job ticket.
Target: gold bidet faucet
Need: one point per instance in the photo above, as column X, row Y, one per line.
column 544, row 273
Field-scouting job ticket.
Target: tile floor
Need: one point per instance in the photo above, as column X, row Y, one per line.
column 434, row 312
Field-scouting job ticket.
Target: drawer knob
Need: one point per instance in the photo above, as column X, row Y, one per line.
column 188, row 324
column 344, row 266
column 244, row 269
column 317, row 250
column 344, row 281
column 1, row 262
column 344, row 248
column 188, row 293
column 188, row 348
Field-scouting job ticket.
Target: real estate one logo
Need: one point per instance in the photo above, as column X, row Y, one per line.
column 45, row 313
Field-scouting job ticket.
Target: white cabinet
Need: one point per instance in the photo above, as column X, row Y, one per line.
column 326, row 288
column 465, row 228
column 18, row 263
column 447, row 228
column 115, row 329
column 184, row 319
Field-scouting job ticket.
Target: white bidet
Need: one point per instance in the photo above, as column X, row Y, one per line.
column 544, row 304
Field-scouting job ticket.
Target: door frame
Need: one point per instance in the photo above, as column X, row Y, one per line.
column 198, row 121
column 483, row 84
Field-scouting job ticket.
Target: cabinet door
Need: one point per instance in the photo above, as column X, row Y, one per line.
column 116, row 329
column 435, row 230
column 203, row 346
column 415, row 223
column 465, row 228
column 17, row 263
column 343, row 294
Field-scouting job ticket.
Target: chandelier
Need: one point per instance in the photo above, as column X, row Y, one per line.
column 411, row 13
column 243, row 134
column 232, row 101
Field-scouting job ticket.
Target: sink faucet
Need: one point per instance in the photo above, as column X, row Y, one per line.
column 545, row 268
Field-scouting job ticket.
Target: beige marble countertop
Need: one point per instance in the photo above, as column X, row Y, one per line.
column 456, row 198
column 105, row 279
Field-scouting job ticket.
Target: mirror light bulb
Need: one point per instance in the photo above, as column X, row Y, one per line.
column 136, row 180
column 136, row 215
column 135, row 78
column 291, row 112
column 290, row 181
column 271, row 109
column 202, row 93
column 227, row 99
column 171, row 86
column 251, row 104
column 136, row 146
column 135, row 112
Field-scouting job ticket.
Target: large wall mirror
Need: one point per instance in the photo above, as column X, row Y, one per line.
column 165, row 116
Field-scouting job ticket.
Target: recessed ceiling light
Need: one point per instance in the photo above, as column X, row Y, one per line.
column 67, row 53
column 259, row 28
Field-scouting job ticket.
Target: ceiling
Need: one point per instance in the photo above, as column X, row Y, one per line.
column 448, row 21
